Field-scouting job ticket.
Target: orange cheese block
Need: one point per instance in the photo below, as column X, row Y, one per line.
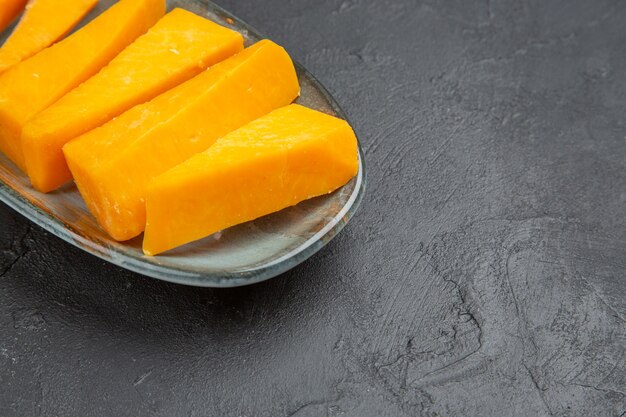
column 113, row 163
column 34, row 84
column 43, row 23
column 9, row 9
column 178, row 47
column 277, row 161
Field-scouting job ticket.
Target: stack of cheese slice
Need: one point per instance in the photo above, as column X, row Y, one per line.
column 178, row 47
column 34, row 84
column 113, row 164
column 166, row 124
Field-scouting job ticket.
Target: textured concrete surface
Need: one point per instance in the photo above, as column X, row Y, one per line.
column 485, row 274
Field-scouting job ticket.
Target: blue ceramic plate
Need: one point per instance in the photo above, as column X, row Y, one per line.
column 242, row 255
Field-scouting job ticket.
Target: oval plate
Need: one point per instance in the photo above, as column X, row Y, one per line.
column 242, row 255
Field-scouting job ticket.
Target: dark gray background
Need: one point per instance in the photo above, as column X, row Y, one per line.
column 483, row 275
